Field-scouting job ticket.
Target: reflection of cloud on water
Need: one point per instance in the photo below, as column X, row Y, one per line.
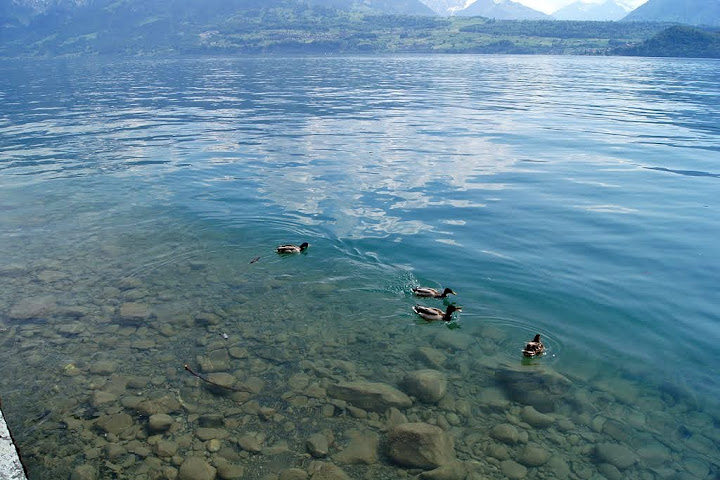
column 356, row 189
column 495, row 254
column 367, row 158
column 592, row 183
column 448, row 241
column 608, row 209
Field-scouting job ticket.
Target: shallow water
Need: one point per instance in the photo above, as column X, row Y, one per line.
column 572, row 197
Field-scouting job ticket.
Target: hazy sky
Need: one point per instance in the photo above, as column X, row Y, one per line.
column 549, row 6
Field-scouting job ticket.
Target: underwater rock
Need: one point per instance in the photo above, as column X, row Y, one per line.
column 215, row 361
column 429, row 386
column 420, row 445
column 505, row 433
column 542, row 389
column 362, row 449
column 430, row 356
column 101, row 398
column 133, row 313
column 326, row 471
column 50, row 276
column 160, row 422
column 114, row 423
column 654, row 455
column 696, row 467
column 317, row 445
column 615, row 454
column 623, row 390
column 205, row 434
column 254, row 385
column 493, row 399
column 376, row 397
column 207, row 318
column 249, row 443
column 453, row 340
column 163, row 404
column 536, row 419
column 195, row 468
column 143, row 343
column 558, row 466
column 228, row 471
column 455, row 470
column 498, row 451
column 221, row 382
column 32, row 307
column 165, row 448
column 610, row 471
column 293, row 474
column 617, row 431
column 238, row 352
column 512, row 469
column 533, row 456
column 394, row 417
column 357, row 412
column 84, row 472
column 299, row 381
column 211, row 420
column 213, row 445
column 113, row 451
column 103, row 367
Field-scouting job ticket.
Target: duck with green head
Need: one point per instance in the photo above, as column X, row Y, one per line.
column 432, row 293
column 432, row 314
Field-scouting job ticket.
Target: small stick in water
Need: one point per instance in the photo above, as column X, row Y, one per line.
column 206, row 380
column 254, row 259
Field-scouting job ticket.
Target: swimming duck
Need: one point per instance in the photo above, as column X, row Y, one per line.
column 292, row 248
column 534, row 347
column 433, row 314
column 431, row 292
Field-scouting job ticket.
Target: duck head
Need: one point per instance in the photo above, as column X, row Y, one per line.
column 449, row 312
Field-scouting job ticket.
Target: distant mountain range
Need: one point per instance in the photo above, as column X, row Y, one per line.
column 445, row 7
column 691, row 12
column 227, row 27
column 605, row 11
column 502, row 10
column 25, row 11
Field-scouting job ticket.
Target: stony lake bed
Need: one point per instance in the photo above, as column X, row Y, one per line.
column 300, row 400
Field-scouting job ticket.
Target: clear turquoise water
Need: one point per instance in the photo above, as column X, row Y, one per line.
column 572, row 197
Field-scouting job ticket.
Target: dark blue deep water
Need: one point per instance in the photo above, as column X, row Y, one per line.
column 572, row 197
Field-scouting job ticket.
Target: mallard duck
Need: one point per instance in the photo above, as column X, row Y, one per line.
column 292, row 248
column 534, row 347
column 433, row 314
column 431, row 292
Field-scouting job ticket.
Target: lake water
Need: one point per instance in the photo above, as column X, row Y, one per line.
column 572, row 197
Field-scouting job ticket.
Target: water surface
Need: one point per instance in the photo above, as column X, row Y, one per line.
column 572, row 197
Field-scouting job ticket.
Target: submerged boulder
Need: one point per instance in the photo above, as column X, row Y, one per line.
column 376, row 397
column 420, row 445
column 195, row 468
column 428, row 385
column 32, row 307
column 615, row 454
column 540, row 388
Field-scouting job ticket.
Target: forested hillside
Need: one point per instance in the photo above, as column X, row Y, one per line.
column 230, row 27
